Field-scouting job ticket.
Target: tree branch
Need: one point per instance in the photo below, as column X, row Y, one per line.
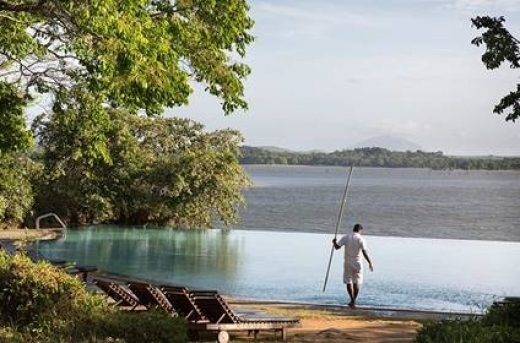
column 5, row 16
column 30, row 8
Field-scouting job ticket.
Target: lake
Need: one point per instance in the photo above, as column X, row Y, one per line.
column 440, row 240
column 483, row 205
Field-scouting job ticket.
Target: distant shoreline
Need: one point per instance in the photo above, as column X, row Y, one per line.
column 377, row 158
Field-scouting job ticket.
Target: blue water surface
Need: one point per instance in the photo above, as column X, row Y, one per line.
column 410, row 273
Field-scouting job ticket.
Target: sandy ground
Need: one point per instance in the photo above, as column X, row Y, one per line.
column 353, row 330
column 340, row 324
column 341, row 330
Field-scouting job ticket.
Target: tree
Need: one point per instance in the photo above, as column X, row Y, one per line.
column 75, row 147
column 166, row 171
column 501, row 46
column 16, row 191
column 131, row 54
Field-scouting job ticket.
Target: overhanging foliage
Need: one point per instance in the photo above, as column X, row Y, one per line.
column 501, row 47
column 131, row 54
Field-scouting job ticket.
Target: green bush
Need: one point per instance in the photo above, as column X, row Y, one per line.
column 500, row 325
column 41, row 303
column 466, row 331
column 126, row 326
column 33, row 293
column 146, row 327
column 10, row 335
column 506, row 314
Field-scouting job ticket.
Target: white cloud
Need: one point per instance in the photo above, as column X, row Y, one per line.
column 312, row 14
column 483, row 5
column 305, row 19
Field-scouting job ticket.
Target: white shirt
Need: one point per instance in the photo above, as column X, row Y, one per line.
column 354, row 246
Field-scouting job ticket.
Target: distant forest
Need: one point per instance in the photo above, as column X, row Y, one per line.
column 377, row 157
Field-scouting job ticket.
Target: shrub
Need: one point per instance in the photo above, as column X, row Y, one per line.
column 41, row 303
column 500, row 325
column 466, row 331
column 146, row 326
column 126, row 326
column 505, row 314
column 33, row 293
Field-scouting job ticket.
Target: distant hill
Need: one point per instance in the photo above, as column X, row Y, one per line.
column 388, row 142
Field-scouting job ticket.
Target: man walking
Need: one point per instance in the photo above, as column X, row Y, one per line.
column 355, row 249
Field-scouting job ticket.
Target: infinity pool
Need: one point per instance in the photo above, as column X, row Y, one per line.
column 410, row 273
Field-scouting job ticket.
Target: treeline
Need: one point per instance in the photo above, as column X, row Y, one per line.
column 377, row 157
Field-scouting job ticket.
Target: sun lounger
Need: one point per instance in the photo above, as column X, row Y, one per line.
column 184, row 304
column 118, row 293
column 81, row 271
column 223, row 318
column 151, row 296
column 203, row 310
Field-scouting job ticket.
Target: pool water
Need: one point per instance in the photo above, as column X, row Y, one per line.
column 409, row 273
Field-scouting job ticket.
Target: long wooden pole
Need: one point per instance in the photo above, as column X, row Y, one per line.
column 338, row 223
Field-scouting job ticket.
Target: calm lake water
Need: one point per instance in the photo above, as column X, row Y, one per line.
column 440, row 240
column 483, row 205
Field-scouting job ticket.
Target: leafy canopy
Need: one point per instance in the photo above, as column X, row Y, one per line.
column 166, row 171
column 501, row 47
column 131, row 54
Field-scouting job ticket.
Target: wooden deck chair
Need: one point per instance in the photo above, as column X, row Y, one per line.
column 184, row 304
column 82, row 272
column 223, row 318
column 118, row 293
column 151, row 296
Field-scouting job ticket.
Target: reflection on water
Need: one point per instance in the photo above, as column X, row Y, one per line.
column 151, row 253
column 410, row 273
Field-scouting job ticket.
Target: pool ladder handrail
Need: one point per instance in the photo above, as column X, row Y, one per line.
column 50, row 215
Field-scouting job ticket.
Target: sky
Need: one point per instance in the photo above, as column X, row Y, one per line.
column 329, row 74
